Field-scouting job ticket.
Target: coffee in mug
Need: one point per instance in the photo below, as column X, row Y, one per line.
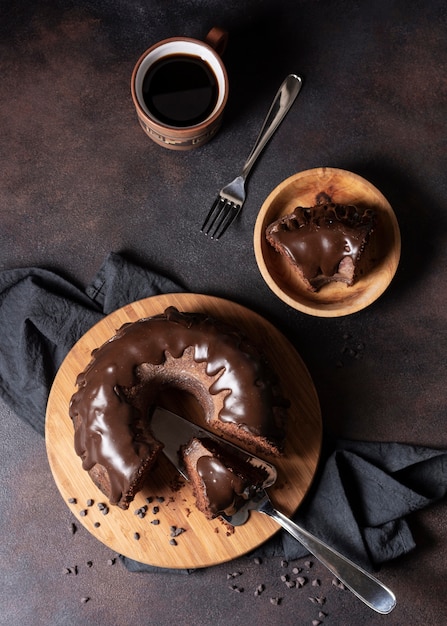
column 180, row 89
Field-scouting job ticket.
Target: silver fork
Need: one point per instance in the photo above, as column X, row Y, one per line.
column 230, row 199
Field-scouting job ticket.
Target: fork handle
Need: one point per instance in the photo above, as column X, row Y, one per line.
column 367, row 588
column 282, row 102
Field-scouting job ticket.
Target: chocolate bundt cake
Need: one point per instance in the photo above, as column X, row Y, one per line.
column 192, row 352
column 221, row 481
column 323, row 243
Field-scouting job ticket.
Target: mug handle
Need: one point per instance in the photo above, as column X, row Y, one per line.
column 217, row 38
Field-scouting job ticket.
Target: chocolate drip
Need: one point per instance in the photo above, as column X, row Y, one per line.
column 112, row 432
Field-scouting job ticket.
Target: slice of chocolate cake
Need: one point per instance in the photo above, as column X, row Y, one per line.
column 222, row 482
column 324, row 242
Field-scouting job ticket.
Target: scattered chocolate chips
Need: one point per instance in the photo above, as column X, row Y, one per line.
column 141, row 512
column 175, row 532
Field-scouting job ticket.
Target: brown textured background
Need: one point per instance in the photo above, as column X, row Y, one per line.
column 79, row 179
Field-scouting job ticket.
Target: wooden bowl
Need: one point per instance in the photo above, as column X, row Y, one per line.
column 379, row 261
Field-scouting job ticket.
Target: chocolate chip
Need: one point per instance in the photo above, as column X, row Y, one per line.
column 316, row 583
column 111, row 561
column 101, row 506
column 285, row 578
column 90, row 502
column 257, row 560
column 73, row 528
column 290, row 584
column 83, row 513
column 89, row 563
column 284, row 564
column 160, row 499
column 155, row 522
column 105, row 510
column 155, row 510
column 85, row 599
column 136, row 536
column 308, row 564
column 259, row 589
column 149, row 499
column 301, row 581
column 297, row 570
column 316, row 622
column 318, row 600
column 275, row 601
column 72, row 500
column 173, row 542
column 96, row 524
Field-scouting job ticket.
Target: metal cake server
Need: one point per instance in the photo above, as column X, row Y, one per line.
column 174, row 431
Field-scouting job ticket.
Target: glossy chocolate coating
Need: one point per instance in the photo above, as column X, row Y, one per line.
column 324, row 241
column 224, row 489
column 112, row 432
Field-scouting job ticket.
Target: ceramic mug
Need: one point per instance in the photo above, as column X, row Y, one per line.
column 179, row 88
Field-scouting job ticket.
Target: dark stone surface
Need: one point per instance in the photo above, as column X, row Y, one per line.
column 79, row 178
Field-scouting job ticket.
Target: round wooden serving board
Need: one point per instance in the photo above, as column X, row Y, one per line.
column 379, row 261
column 205, row 542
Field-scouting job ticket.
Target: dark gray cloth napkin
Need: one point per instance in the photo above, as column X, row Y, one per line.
column 363, row 491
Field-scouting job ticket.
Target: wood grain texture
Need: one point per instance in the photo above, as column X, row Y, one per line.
column 379, row 262
column 204, row 543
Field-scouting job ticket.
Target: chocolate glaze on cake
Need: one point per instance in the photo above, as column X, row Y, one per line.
column 324, row 242
column 221, row 481
column 189, row 351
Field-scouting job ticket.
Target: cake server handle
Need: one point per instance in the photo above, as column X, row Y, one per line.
column 362, row 584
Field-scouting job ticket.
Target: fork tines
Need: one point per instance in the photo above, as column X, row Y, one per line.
column 220, row 216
